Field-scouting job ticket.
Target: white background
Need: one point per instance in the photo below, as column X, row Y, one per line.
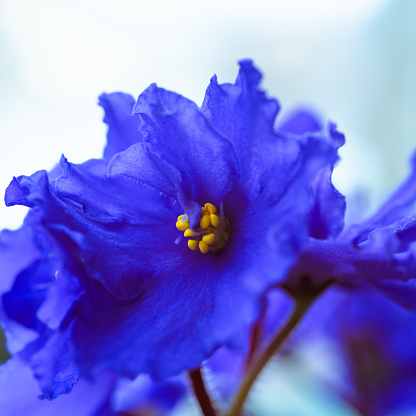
column 352, row 61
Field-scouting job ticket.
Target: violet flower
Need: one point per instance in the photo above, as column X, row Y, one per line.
column 163, row 254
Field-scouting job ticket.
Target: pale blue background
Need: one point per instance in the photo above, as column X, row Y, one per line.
column 354, row 61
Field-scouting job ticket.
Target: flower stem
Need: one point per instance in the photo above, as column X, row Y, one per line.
column 302, row 304
column 255, row 341
column 201, row 393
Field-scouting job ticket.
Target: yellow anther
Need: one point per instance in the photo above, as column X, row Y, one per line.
column 210, row 208
column 212, row 232
column 209, row 239
column 193, row 244
column 182, row 226
column 203, row 247
column 214, row 220
column 205, row 221
column 190, row 233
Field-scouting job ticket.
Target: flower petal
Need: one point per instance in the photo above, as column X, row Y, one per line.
column 244, row 115
column 300, row 121
column 123, row 127
column 195, row 325
column 120, row 199
column 178, row 132
column 18, row 251
column 139, row 163
column 20, row 394
column 326, row 218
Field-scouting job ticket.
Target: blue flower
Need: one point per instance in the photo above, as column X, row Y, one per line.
column 174, row 241
column 375, row 343
column 378, row 252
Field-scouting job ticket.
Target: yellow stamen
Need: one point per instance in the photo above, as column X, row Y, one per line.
column 203, row 247
column 190, row 233
column 182, row 226
column 209, row 239
column 214, row 220
column 210, row 208
column 205, row 221
column 193, row 244
column 213, row 231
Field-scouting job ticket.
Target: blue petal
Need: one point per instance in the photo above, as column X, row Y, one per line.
column 18, row 191
column 326, row 218
column 83, row 237
column 20, row 395
column 27, row 294
column 141, row 164
column 53, row 366
column 25, row 190
column 243, row 114
column 18, row 251
column 175, row 129
column 375, row 340
column 59, row 299
column 143, row 395
column 300, row 121
column 179, row 310
column 123, row 127
column 120, row 199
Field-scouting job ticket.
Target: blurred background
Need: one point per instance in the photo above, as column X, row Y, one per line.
column 353, row 61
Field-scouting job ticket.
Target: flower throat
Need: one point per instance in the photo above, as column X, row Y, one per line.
column 213, row 233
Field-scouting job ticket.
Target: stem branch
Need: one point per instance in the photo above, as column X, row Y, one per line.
column 301, row 306
column 201, row 393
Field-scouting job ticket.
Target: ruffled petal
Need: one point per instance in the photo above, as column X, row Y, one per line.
column 18, row 251
column 20, row 394
column 244, row 115
column 268, row 161
column 300, row 121
column 27, row 294
column 18, row 191
column 120, row 200
column 83, row 237
column 53, row 366
column 123, row 127
column 326, row 218
column 175, row 129
column 145, row 166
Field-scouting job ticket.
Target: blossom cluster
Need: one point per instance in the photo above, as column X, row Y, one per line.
column 198, row 241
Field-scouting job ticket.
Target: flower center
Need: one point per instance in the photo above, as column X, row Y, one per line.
column 213, row 233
